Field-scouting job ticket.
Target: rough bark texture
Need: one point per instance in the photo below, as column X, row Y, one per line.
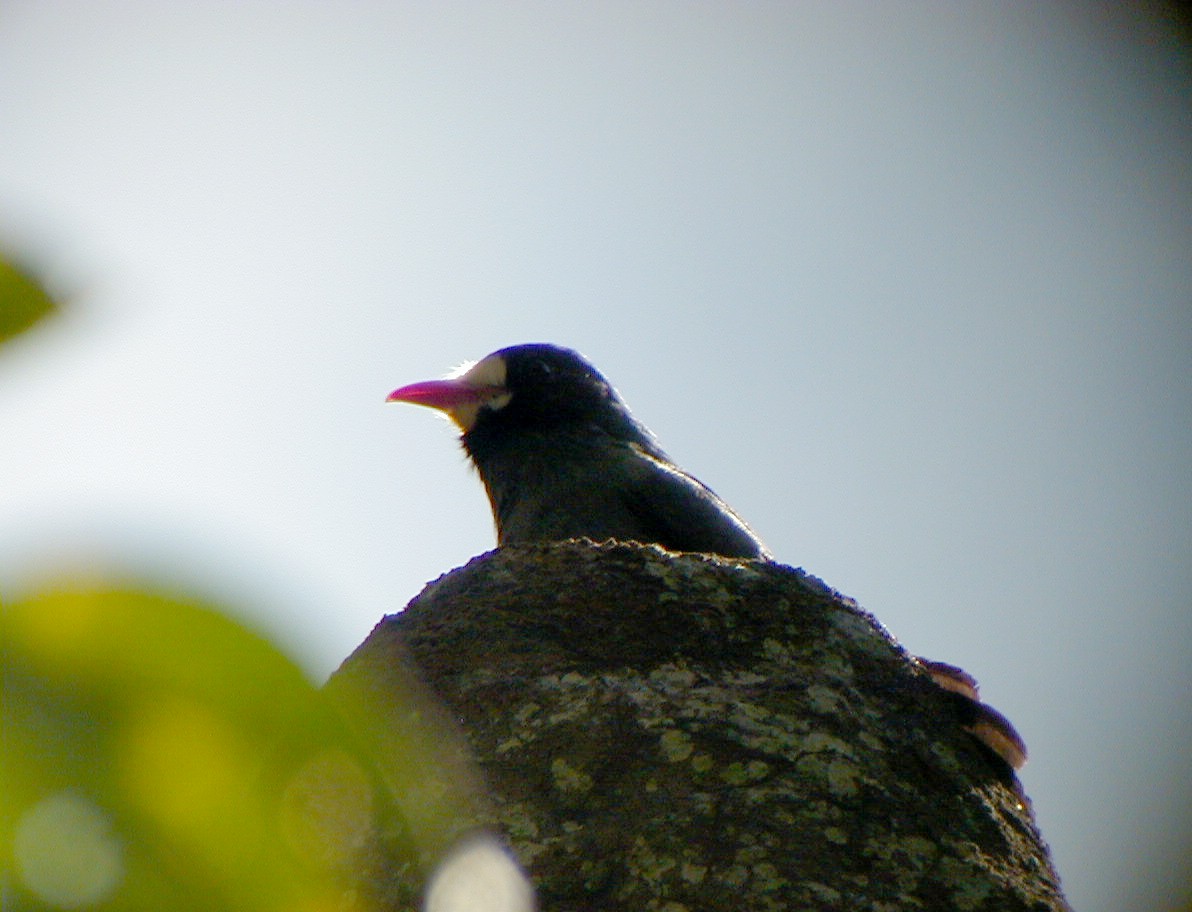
column 678, row 732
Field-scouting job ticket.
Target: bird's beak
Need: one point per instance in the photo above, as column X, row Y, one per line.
column 441, row 394
column 461, row 397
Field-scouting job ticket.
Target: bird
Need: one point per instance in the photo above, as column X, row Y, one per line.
column 562, row 456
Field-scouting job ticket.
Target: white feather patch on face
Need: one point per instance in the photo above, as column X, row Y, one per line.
column 487, row 376
column 488, row 371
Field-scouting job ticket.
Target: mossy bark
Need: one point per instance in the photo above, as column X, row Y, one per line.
column 656, row 731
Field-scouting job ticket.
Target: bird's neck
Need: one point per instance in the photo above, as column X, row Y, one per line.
column 504, row 460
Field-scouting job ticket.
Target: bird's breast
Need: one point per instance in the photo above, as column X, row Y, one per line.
column 560, row 489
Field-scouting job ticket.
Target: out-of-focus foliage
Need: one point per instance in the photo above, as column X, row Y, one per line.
column 157, row 755
column 23, row 301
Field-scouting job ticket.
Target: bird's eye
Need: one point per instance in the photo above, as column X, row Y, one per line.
column 543, row 372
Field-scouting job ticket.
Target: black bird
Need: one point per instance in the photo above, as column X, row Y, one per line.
column 561, row 456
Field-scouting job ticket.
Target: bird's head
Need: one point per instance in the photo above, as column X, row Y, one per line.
column 534, row 388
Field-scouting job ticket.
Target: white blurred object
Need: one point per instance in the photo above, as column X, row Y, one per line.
column 479, row 875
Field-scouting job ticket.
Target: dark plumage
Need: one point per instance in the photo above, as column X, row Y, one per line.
column 561, row 456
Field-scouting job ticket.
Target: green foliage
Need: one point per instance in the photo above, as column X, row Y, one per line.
column 157, row 755
column 23, row 301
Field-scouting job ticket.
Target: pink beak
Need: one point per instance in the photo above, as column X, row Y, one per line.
column 441, row 394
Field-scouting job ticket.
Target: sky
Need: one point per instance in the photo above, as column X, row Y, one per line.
column 909, row 285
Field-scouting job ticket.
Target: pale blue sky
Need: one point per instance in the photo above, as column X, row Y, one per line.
column 909, row 285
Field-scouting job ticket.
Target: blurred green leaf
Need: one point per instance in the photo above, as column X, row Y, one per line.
column 23, row 300
column 158, row 755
